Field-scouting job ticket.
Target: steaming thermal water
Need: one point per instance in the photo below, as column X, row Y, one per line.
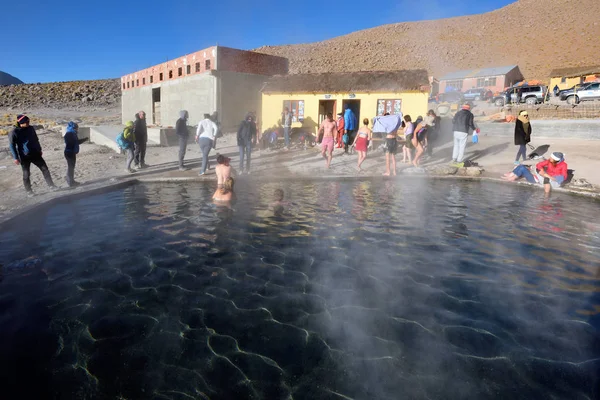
column 363, row 290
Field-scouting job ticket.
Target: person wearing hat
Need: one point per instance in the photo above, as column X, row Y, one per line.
column 140, row 130
column 71, row 151
column 462, row 124
column 129, row 139
column 246, row 137
column 26, row 150
column 551, row 173
column 522, row 135
column 183, row 134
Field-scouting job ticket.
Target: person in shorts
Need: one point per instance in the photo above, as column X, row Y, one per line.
column 329, row 129
column 391, row 148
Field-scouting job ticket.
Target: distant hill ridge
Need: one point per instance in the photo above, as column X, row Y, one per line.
column 8, row 79
column 537, row 35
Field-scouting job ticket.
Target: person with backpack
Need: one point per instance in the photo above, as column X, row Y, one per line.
column 246, row 137
column 26, row 150
column 183, row 135
column 71, row 151
column 127, row 144
column 140, row 131
column 205, row 137
column 349, row 127
column 462, row 123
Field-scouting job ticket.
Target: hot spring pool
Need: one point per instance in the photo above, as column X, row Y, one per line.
column 362, row 290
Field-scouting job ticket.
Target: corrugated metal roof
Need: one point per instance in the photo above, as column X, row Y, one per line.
column 575, row 71
column 341, row 82
column 476, row 73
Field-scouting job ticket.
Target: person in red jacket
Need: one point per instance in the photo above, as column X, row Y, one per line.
column 551, row 173
column 340, row 130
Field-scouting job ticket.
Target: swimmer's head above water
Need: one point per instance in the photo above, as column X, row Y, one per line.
column 278, row 195
column 221, row 159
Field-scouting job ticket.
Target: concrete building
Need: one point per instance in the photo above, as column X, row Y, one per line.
column 311, row 96
column 566, row 78
column 494, row 79
column 214, row 79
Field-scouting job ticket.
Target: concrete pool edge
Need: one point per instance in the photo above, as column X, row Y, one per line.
column 119, row 183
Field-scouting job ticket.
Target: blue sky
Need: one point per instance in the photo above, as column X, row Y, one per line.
column 77, row 39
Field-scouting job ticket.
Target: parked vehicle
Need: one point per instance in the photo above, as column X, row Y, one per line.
column 474, row 94
column 502, row 98
column 451, row 97
column 529, row 94
column 562, row 94
column 587, row 91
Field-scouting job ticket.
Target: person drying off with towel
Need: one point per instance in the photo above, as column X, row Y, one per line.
column 71, row 151
column 26, row 150
column 388, row 125
column 551, row 173
column 522, row 135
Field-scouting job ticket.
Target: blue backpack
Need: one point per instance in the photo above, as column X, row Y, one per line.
column 121, row 142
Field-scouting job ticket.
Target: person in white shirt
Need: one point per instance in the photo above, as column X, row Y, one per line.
column 205, row 137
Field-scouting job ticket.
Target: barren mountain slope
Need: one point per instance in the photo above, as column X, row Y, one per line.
column 538, row 35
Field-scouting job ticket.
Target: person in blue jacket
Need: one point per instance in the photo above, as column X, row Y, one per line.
column 349, row 126
column 71, row 151
column 26, row 150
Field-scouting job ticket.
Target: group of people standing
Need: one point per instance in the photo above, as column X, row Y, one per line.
column 25, row 148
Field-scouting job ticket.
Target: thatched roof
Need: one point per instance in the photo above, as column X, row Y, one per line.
column 349, row 82
column 575, row 71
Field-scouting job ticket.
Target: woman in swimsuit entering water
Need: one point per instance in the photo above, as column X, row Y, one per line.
column 361, row 142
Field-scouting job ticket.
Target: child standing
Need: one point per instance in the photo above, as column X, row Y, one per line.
column 71, row 151
column 129, row 138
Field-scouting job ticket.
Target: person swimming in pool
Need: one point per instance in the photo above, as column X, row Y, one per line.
column 225, row 193
column 278, row 206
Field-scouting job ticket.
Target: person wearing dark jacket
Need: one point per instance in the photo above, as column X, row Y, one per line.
column 433, row 132
column 462, row 124
column 246, row 137
column 140, row 130
column 26, row 150
column 71, row 151
column 522, row 135
column 183, row 135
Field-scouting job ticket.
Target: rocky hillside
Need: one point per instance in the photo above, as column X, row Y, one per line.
column 8, row 79
column 537, row 35
column 62, row 95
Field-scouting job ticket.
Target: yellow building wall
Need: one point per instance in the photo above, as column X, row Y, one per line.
column 413, row 103
column 569, row 83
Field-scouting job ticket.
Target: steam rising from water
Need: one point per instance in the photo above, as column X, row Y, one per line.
column 418, row 289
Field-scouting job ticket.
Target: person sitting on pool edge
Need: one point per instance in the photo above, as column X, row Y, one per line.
column 551, row 173
column 226, row 193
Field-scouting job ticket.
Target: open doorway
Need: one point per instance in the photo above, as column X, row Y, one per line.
column 156, row 106
column 326, row 106
column 355, row 107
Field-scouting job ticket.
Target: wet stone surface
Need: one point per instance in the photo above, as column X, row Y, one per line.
column 361, row 290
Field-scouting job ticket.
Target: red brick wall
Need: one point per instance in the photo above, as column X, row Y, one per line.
column 228, row 60
column 250, row 62
column 170, row 69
